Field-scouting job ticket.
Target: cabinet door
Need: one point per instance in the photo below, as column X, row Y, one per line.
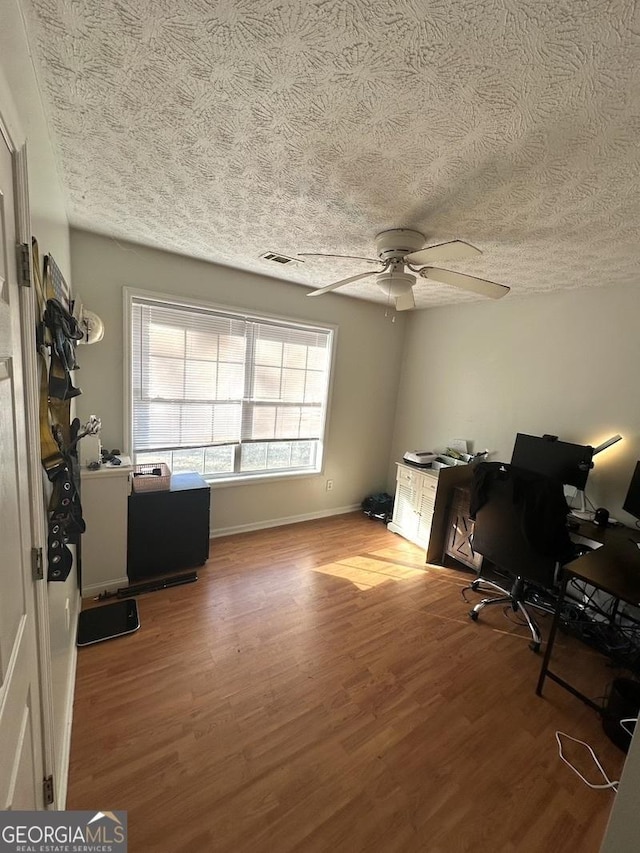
column 405, row 513
column 425, row 504
column 459, row 542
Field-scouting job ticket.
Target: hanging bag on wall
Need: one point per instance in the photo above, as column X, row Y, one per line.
column 56, row 336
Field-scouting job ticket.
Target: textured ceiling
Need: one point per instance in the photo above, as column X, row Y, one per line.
column 225, row 129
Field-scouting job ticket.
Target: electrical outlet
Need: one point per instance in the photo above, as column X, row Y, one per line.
column 329, row 485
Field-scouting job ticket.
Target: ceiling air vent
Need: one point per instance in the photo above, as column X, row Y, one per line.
column 276, row 258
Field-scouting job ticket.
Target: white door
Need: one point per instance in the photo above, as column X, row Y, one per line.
column 21, row 756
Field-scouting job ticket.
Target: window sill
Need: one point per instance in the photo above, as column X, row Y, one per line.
column 260, row 479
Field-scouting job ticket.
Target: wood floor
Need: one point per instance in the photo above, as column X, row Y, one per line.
column 320, row 689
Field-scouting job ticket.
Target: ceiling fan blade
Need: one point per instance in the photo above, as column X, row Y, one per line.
column 466, row 282
column 340, row 283
column 347, row 257
column 455, row 250
column 405, row 302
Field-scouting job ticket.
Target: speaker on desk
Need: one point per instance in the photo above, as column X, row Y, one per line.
column 601, row 517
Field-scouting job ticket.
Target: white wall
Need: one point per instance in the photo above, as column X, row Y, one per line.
column 20, row 103
column 560, row 363
column 369, row 349
column 621, row 835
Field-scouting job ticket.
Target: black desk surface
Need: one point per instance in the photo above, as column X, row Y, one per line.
column 613, row 568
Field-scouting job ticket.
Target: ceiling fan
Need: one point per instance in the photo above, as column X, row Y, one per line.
column 401, row 247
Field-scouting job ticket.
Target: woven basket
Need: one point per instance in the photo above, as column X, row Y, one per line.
column 151, row 477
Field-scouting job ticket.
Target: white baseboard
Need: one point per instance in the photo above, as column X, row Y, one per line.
column 279, row 522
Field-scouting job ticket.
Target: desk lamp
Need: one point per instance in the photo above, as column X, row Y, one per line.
column 581, row 511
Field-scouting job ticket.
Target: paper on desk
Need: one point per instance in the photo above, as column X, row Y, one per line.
column 458, row 444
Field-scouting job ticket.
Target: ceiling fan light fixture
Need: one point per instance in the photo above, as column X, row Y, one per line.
column 395, row 283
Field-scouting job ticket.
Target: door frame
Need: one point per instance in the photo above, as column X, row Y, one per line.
column 11, row 131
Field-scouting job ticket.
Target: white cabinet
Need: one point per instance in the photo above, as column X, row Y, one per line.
column 103, row 556
column 420, row 506
column 414, row 503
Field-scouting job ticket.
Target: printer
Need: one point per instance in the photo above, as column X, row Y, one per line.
column 422, row 458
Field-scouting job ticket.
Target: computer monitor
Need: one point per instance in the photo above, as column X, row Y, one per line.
column 568, row 463
column 632, row 501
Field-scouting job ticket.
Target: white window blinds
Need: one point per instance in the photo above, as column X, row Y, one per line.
column 203, row 378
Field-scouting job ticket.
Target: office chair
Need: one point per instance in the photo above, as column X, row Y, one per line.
column 520, row 527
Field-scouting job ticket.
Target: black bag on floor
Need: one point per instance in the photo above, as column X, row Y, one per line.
column 378, row 506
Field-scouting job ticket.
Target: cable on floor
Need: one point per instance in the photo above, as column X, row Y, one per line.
column 509, row 615
column 629, row 720
column 608, row 783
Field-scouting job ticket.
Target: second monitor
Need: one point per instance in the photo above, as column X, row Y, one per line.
column 568, row 463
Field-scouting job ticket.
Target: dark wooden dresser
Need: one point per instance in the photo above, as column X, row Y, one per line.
column 168, row 530
column 458, row 537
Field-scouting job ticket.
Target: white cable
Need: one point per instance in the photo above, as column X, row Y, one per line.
column 633, row 720
column 609, row 784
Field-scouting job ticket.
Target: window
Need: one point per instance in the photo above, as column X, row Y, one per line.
column 224, row 394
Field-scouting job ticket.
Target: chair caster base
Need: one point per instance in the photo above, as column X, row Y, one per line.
column 535, row 647
column 473, row 615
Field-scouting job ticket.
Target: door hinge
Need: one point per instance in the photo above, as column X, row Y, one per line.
column 23, row 251
column 37, row 565
column 47, row 790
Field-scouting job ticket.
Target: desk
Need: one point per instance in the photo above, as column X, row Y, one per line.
column 615, row 569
